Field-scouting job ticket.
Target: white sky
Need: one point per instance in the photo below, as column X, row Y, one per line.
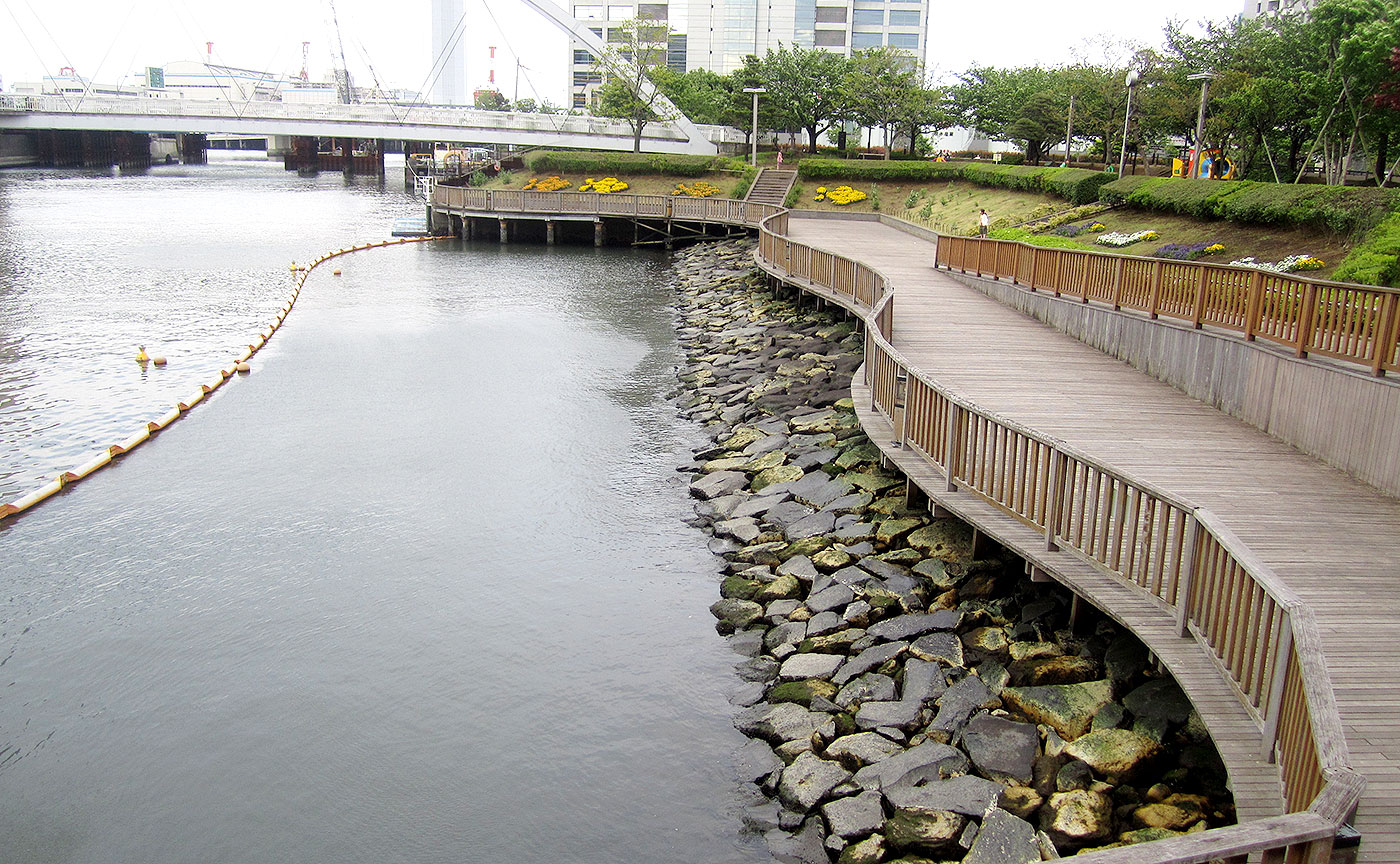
column 111, row 40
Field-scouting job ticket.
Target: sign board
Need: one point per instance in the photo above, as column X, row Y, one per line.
column 155, row 77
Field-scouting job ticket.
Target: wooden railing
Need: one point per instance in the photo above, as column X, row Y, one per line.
column 510, row 202
column 1354, row 323
column 1220, row 593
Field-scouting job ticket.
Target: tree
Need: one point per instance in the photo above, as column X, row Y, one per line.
column 1022, row 104
column 804, row 89
column 490, row 100
column 878, row 88
column 636, row 52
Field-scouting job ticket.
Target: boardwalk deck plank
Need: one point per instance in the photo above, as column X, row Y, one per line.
column 1333, row 540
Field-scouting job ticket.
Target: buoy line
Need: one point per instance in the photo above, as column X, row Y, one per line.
column 238, row 366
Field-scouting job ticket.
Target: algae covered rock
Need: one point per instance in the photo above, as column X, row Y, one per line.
column 1069, row 709
column 1113, row 753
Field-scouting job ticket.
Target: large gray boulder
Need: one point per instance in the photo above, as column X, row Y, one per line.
column 968, row 795
column 869, row 687
column 785, row 721
column 929, row 759
column 957, row 704
column 855, row 816
column 902, row 715
column 870, row 658
column 808, row 780
column 719, row 483
column 806, row 846
column 862, row 748
column 922, row 681
column 755, row 760
column 1004, row 839
column 1069, row 709
column 910, row 626
column 735, row 614
column 1000, row 749
column 800, row 666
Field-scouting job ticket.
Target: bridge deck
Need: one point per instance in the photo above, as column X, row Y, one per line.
column 1333, row 540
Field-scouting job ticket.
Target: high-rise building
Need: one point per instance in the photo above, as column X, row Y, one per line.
column 605, row 20
column 449, row 54
column 1255, row 8
column 722, row 32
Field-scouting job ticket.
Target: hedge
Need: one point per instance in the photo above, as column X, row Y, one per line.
column 1376, row 259
column 1077, row 185
column 1344, row 209
column 618, row 164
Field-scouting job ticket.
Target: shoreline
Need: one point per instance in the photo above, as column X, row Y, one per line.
column 906, row 699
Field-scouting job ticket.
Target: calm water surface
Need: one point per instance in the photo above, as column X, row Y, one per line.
column 415, row 590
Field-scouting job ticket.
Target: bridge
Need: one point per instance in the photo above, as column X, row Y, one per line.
column 1261, row 577
column 358, row 121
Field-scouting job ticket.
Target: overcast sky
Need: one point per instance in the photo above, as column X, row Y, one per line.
column 112, row 40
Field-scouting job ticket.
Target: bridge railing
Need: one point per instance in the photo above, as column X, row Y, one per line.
column 1354, row 323
column 1218, row 591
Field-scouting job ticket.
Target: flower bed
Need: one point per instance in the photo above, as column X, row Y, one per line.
column 840, row 196
column 698, row 189
column 1188, row 251
column 1119, row 240
column 1291, row 264
column 1076, row 230
column 552, row 183
column 604, row 186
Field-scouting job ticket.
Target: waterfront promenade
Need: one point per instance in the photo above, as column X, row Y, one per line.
column 1334, row 541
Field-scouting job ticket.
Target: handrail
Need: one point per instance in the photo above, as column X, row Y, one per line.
column 1357, row 324
column 1221, row 594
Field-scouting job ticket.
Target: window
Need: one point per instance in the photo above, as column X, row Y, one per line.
column 597, row 31
column 583, row 79
column 652, row 11
column 869, row 17
column 584, row 57
column 831, row 38
column 620, row 13
column 865, row 40
column 831, row 14
column 617, row 34
column 588, row 13
column 906, row 41
column 580, row 100
column 904, row 18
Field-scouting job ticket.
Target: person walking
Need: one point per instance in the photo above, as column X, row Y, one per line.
column 983, row 223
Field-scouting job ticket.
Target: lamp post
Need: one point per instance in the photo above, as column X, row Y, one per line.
column 1204, row 78
column 1130, row 82
column 753, row 154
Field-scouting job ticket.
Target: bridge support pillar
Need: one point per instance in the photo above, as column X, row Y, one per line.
column 551, row 233
column 505, row 231
column 193, row 148
column 302, row 156
column 379, row 158
column 347, row 156
column 600, row 233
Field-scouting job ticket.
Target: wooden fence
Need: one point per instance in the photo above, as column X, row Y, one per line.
column 1263, row 636
column 1355, row 323
column 1224, row 596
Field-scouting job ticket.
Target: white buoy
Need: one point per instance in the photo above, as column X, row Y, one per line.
column 244, row 367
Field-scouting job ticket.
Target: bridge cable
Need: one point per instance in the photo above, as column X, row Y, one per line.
column 37, row 55
column 439, row 62
column 87, row 89
column 557, row 123
column 56, row 44
column 208, row 64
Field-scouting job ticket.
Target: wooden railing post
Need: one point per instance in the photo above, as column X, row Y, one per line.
column 1306, row 316
column 1058, row 470
column 1254, row 308
column 1199, row 305
column 1118, row 282
column 1188, row 575
column 1035, row 266
column 1281, row 658
column 1154, row 297
column 952, row 445
column 1383, row 340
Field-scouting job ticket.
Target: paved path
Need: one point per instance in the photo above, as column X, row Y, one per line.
column 1333, row 540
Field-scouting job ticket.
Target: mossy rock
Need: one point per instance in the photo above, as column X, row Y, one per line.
column 870, row 482
column 808, row 546
column 802, row 692
column 832, row 643
column 738, row 586
column 784, row 587
column 781, row 474
column 948, row 540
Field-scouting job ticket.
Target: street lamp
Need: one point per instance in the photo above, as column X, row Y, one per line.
column 753, row 155
column 1203, row 77
column 1130, row 82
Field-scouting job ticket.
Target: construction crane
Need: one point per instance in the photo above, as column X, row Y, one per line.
column 305, row 70
column 342, row 75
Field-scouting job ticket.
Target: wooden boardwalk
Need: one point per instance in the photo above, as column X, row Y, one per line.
column 1333, row 540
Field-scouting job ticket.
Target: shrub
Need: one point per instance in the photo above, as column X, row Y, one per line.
column 1344, row 209
column 741, row 186
column 1077, row 185
column 1042, row 240
column 1376, row 259
column 616, row 164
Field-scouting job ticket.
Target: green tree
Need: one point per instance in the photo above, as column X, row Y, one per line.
column 878, row 88
column 804, row 89
column 636, row 52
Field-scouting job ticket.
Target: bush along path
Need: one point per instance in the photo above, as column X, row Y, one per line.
column 906, row 700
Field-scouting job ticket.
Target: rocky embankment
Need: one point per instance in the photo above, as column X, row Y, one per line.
column 907, row 700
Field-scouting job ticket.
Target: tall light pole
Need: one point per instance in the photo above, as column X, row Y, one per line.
column 1204, row 78
column 1130, row 82
column 753, row 137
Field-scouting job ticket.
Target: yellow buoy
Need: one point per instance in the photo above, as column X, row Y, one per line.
column 141, row 354
column 158, row 359
column 335, row 272
column 244, row 367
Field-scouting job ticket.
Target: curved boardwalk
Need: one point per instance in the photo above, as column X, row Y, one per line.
column 1333, row 540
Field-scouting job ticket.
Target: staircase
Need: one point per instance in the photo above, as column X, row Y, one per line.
column 771, row 186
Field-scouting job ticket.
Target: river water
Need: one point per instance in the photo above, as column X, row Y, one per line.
column 416, row 589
